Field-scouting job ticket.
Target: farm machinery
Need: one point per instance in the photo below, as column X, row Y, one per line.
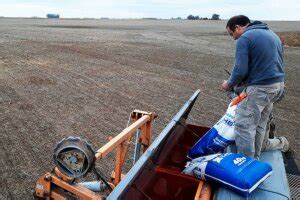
column 156, row 174
column 74, row 158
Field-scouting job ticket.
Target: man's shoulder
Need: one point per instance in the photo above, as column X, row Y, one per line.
column 253, row 34
column 243, row 39
column 257, row 32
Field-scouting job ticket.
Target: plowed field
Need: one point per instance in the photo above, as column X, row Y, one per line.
column 84, row 77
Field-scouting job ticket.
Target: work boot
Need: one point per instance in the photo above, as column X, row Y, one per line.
column 288, row 152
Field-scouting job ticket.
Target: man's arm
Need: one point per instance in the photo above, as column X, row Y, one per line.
column 240, row 69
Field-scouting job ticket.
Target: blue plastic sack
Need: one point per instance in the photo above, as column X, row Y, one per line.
column 217, row 138
column 236, row 172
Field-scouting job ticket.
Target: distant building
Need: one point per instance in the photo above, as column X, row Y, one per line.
column 52, row 15
column 215, row 17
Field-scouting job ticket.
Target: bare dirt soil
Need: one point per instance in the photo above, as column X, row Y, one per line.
column 290, row 39
column 84, row 77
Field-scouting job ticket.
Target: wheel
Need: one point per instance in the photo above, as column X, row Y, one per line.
column 74, row 157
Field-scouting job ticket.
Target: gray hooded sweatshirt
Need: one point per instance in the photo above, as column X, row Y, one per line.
column 258, row 58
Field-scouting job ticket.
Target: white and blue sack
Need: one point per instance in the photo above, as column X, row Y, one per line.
column 217, row 138
column 233, row 171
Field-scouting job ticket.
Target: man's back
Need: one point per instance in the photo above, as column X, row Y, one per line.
column 265, row 55
column 259, row 58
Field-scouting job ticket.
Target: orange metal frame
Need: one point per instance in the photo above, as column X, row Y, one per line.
column 50, row 185
column 54, row 185
column 121, row 142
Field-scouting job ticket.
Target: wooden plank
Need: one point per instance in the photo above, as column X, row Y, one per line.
column 107, row 148
column 126, row 145
column 199, row 189
column 82, row 192
column 206, row 191
column 118, row 167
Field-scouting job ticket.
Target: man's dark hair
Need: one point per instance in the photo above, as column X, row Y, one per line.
column 237, row 20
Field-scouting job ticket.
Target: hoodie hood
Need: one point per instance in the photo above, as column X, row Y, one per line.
column 257, row 25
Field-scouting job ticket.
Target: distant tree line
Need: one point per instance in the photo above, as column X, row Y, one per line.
column 52, row 15
column 214, row 17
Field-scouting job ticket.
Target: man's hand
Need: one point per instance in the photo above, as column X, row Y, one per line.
column 225, row 86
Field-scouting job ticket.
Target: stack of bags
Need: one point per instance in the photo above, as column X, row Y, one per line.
column 236, row 172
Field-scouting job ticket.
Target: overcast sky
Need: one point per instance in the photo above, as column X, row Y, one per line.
column 255, row 9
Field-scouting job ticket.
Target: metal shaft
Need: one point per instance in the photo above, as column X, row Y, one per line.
column 137, row 149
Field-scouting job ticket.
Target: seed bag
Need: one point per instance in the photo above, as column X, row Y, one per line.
column 236, row 172
column 220, row 135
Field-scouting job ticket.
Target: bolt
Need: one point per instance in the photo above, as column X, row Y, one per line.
column 48, row 177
